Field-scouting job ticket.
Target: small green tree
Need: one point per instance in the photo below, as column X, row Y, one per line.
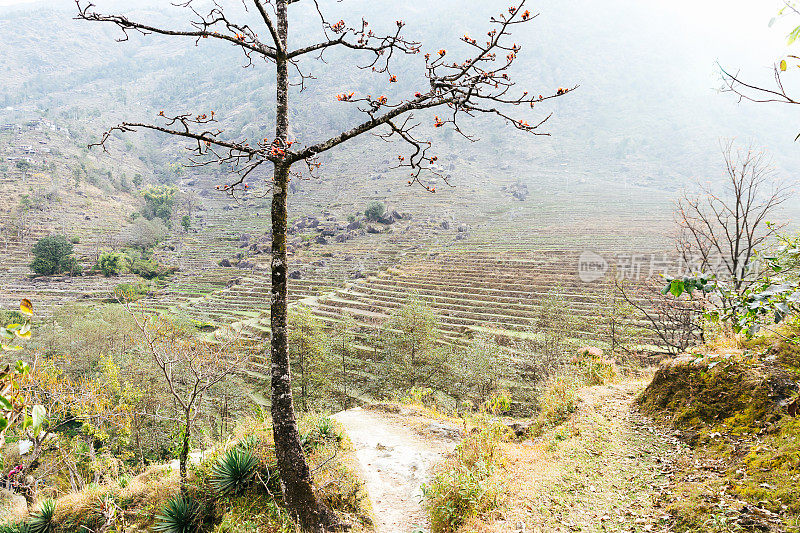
column 341, row 348
column 618, row 323
column 309, row 351
column 111, row 263
column 53, row 255
column 475, row 369
column 410, row 337
column 158, row 202
column 186, row 222
column 374, row 210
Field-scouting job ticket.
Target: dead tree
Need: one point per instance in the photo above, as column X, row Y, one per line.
column 476, row 85
column 191, row 368
column 721, row 231
column 676, row 322
column 748, row 90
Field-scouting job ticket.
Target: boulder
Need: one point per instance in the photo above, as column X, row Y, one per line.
column 354, row 225
column 396, row 215
column 445, row 431
column 445, row 224
column 225, row 263
column 521, row 428
column 295, row 274
column 372, row 229
column 321, row 240
column 463, row 228
column 386, row 220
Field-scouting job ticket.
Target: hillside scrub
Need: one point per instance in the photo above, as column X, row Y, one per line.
column 141, row 502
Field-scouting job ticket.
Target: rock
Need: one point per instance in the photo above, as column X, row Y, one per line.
column 245, row 237
column 312, row 222
column 386, row 220
column 329, row 232
column 357, row 275
column 445, row 431
column 321, row 240
column 396, row 215
column 318, row 263
column 521, row 428
column 463, row 228
column 295, row 274
column 246, row 263
column 233, row 282
column 342, row 237
column 354, row 225
column 225, row 263
column 445, row 224
column 372, row 229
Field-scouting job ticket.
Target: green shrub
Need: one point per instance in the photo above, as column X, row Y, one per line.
column 158, row 202
column 558, row 400
column 323, row 431
column 179, row 515
column 111, row 263
column 374, row 210
column 147, row 268
column 595, row 369
column 131, row 291
column 52, row 255
column 42, row 520
column 466, row 486
column 233, row 471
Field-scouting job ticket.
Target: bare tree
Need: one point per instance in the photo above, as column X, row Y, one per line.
column 720, row 232
column 191, row 367
column 747, row 90
column 479, row 84
column 675, row 322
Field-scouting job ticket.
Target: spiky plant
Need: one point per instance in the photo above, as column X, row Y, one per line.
column 42, row 520
column 179, row 515
column 233, row 470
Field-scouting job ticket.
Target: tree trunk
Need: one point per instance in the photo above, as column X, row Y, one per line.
column 298, row 490
column 183, row 458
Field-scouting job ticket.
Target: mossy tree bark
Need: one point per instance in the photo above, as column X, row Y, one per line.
column 298, row 489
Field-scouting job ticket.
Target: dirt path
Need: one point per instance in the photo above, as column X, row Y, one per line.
column 395, row 460
column 606, row 469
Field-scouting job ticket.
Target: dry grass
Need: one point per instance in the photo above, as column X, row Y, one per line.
column 597, row 471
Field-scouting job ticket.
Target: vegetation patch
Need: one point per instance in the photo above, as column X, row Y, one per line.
column 743, row 473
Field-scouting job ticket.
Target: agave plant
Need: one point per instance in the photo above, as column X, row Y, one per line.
column 179, row 515
column 233, row 470
column 42, row 520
